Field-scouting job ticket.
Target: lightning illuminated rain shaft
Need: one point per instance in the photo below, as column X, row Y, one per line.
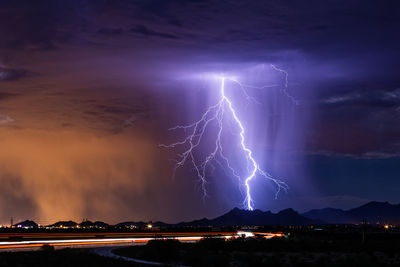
column 217, row 113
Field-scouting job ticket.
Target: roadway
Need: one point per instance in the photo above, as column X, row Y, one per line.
column 34, row 241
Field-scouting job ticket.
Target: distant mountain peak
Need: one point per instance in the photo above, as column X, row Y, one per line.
column 288, row 211
column 26, row 224
column 376, row 204
column 372, row 212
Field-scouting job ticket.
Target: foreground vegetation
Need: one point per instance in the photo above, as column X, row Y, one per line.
column 61, row 258
column 336, row 247
column 298, row 250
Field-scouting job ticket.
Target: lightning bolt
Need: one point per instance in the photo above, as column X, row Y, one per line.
column 217, row 113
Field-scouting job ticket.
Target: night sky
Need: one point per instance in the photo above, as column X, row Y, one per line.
column 88, row 90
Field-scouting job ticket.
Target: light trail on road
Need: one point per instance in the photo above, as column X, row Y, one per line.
column 4, row 245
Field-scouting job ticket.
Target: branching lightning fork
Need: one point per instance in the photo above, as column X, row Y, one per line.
column 217, row 113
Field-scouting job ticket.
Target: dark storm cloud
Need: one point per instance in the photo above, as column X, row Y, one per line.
column 255, row 29
column 359, row 123
column 373, row 99
column 143, row 30
column 110, row 31
column 7, row 95
column 366, row 178
column 27, row 23
column 11, row 74
column 116, row 109
column 342, row 58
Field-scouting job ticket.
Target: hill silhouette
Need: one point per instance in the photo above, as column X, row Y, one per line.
column 238, row 217
column 372, row 212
